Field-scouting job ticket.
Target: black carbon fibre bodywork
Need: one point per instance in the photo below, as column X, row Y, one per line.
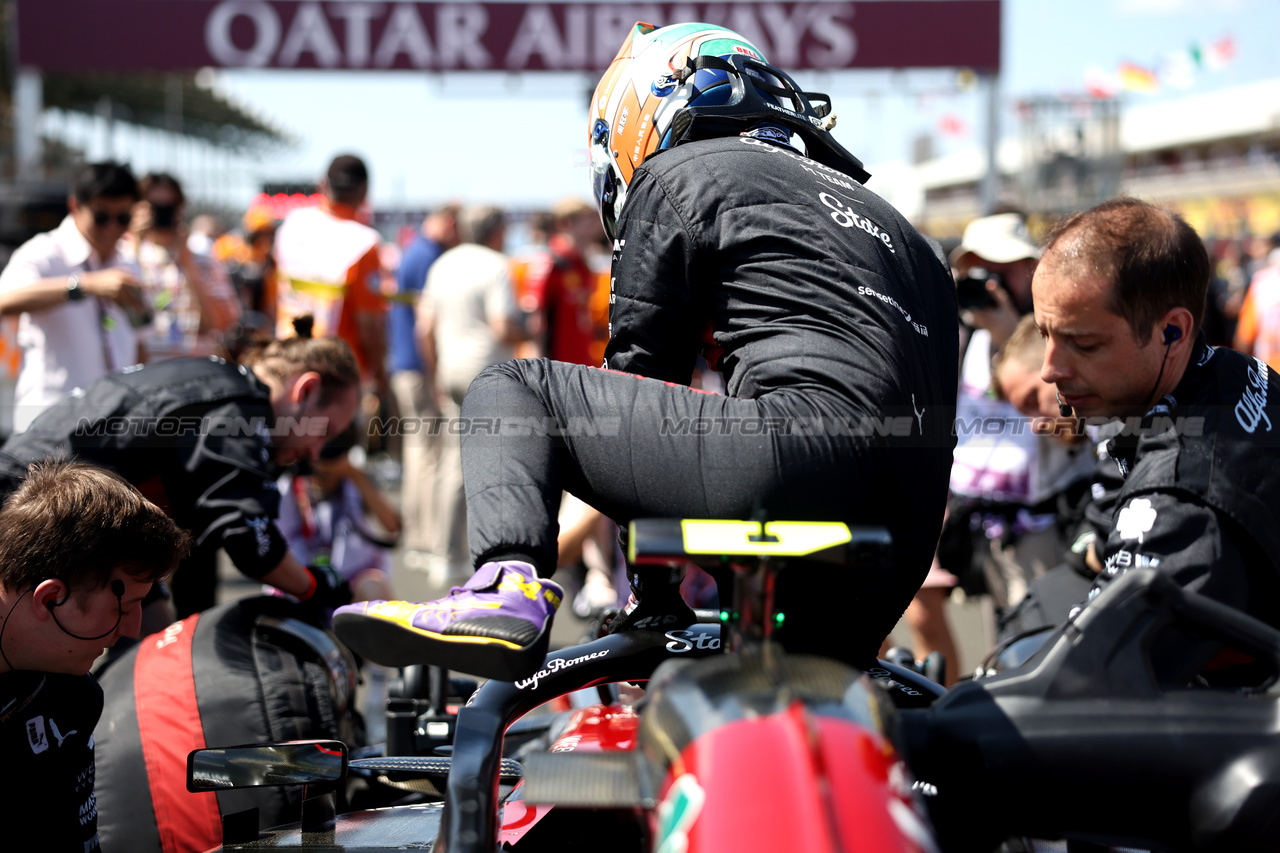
column 1082, row 742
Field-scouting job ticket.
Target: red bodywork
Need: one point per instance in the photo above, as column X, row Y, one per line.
column 789, row 781
column 598, row 728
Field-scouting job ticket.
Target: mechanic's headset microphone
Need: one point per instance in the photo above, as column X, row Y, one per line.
column 1172, row 334
column 117, row 587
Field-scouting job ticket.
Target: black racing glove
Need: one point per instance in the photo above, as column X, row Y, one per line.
column 331, row 588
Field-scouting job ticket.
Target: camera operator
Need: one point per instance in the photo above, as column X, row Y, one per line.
column 999, row 251
column 79, row 550
column 992, row 542
column 1119, row 297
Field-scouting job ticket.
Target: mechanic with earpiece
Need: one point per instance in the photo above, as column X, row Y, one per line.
column 80, row 549
column 1119, row 296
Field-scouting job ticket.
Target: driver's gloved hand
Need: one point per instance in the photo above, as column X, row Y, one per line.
column 655, row 603
column 331, row 589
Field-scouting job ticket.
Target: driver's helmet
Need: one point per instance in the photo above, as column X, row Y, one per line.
column 685, row 82
column 641, row 92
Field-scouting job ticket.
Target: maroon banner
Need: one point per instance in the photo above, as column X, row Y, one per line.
column 132, row 35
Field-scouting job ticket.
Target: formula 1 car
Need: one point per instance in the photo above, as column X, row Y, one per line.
column 760, row 749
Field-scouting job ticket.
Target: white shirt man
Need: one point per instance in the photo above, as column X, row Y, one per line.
column 70, row 290
column 469, row 294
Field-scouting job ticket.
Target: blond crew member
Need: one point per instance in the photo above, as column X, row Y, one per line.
column 327, row 264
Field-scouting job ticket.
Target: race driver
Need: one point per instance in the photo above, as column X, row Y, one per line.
column 742, row 232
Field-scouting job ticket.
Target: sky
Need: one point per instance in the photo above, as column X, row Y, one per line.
column 519, row 141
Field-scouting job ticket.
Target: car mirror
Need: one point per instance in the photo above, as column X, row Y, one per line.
column 299, row 762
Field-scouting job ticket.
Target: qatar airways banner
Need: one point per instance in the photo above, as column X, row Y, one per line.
column 136, row 35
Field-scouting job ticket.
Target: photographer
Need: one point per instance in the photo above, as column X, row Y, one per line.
column 189, row 293
column 79, row 550
column 992, row 543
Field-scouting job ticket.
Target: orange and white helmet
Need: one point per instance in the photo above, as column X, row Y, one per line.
column 675, row 84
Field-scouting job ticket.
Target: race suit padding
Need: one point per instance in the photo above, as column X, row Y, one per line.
column 47, row 799
column 1201, row 493
column 198, row 430
column 248, row 688
column 833, row 321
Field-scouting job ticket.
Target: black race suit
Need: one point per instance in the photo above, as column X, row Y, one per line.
column 834, row 323
column 194, row 435
column 47, row 800
column 1201, row 494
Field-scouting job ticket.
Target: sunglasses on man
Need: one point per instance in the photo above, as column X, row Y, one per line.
column 101, row 218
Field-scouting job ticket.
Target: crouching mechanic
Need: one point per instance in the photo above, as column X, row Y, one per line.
column 831, row 318
column 198, row 436
column 1119, row 297
column 79, row 550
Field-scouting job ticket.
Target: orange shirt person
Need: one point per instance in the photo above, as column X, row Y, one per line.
column 559, row 285
column 1258, row 329
column 328, row 266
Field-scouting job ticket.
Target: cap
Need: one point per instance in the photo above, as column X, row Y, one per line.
column 998, row 239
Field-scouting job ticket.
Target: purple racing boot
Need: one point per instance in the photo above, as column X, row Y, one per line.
column 497, row 625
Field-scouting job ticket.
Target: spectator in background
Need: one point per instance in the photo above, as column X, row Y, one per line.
column 559, row 284
column 538, row 228
column 323, row 518
column 1064, row 462
column 1257, row 254
column 1258, row 330
column 206, row 230
column 328, row 267
column 996, row 451
column 414, row 398
column 78, row 300
column 252, row 266
column 189, row 294
column 1226, row 293
column 467, row 320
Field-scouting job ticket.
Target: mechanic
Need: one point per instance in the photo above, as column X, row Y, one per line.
column 1119, row 297
column 831, row 318
column 197, row 436
column 79, row 550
